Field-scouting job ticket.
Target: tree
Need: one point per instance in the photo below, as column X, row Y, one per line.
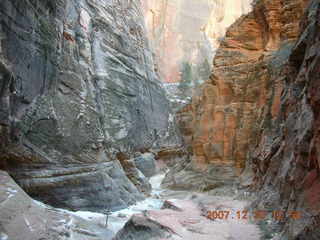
column 186, row 76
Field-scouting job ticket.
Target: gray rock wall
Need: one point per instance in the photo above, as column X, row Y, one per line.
column 25, row 218
column 77, row 86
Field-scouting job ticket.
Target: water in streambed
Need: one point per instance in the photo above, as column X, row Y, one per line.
column 190, row 223
column 117, row 219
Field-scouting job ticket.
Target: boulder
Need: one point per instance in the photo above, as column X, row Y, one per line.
column 188, row 223
column 146, row 163
column 136, row 176
column 24, row 218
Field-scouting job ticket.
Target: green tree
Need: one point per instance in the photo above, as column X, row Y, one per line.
column 186, row 76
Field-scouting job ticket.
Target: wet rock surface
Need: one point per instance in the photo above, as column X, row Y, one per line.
column 187, row 219
column 77, row 86
column 146, row 163
column 186, row 177
column 85, row 124
column 24, row 218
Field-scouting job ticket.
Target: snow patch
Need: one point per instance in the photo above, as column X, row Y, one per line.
column 97, row 218
column 28, row 224
column 84, row 19
column 11, row 192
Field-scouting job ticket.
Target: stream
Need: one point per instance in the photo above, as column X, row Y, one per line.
column 190, row 224
column 118, row 219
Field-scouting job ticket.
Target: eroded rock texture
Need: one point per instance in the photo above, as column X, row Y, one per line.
column 187, row 219
column 223, row 120
column 259, row 111
column 286, row 159
column 24, row 218
column 77, row 86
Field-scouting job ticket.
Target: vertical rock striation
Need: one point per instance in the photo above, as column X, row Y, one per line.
column 186, row 33
column 223, row 120
column 223, row 15
column 77, row 86
column 286, row 157
column 259, row 112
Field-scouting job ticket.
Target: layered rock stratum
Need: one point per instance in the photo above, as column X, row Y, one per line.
column 222, row 122
column 78, row 86
column 83, row 115
column 25, row 218
column 257, row 116
column 285, row 158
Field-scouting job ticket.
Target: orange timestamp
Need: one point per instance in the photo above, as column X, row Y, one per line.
column 277, row 215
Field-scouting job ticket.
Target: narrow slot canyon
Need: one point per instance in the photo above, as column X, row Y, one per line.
column 159, row 119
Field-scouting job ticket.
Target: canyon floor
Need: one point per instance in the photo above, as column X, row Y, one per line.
column 157, row 119
column 165, row 214
column 169, row 214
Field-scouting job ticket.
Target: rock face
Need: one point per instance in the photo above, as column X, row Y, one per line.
column 223, row 14
column 24, row 218
column 77, row 86
column 187, row 219
column 222, row 121
column 260, row 110
column 146, row 164
column 178, row 47
column 286, row 157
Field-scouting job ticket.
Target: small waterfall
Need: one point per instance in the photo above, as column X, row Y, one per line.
column 118, row 219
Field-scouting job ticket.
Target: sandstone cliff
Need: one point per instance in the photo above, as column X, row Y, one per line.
column 223, row 120
column 285, row 158
column 259, row 112
column 222, row 16
column 77, row 87
column 187, row 32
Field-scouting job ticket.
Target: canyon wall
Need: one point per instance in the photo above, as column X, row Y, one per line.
column 258, row 115
column 285, row 159
column 185, row 34
column 223, row 120
column 78, row 91
column 222, row 16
